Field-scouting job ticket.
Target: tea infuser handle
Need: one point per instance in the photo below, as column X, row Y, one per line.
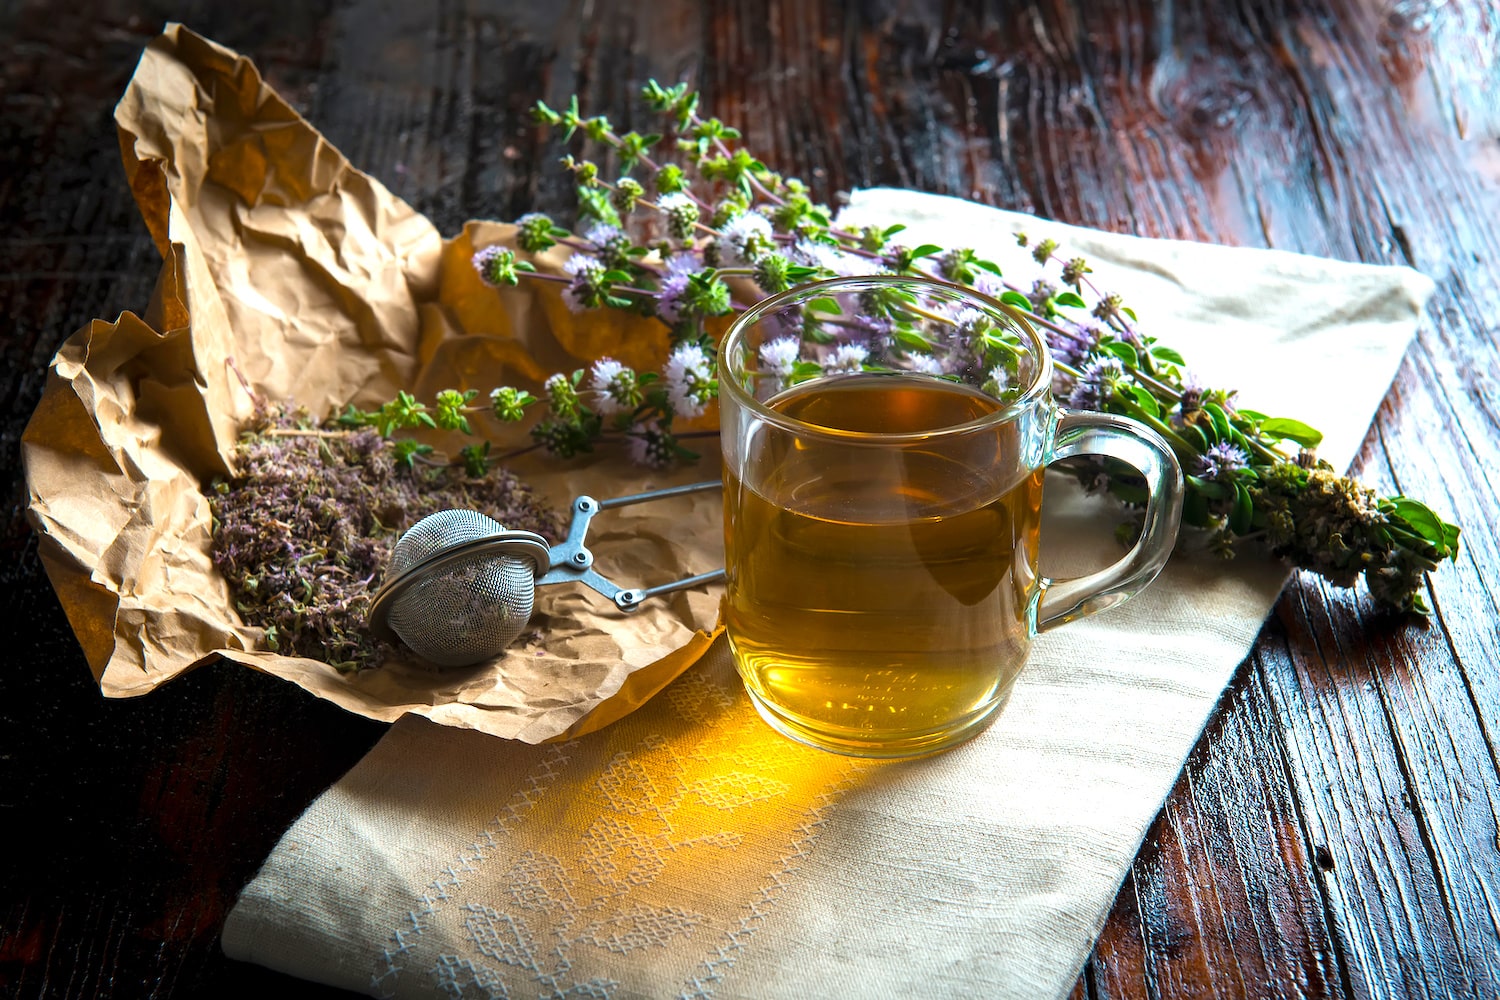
column 629, row 600
column 572, row 561
column 1110, row 436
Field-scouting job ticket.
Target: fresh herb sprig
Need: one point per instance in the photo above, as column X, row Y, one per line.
column 705, row 229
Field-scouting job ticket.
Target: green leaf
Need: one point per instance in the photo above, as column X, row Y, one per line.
column 1144, row 400
column 910, row 339
column 804, row 370
column 1424, row 522
column 1121, row 350
column 1164, row 353
column 1016, row 299
column 1195, row 509
column 1070, row 299
column 1292, row 430
column 1207, row 487
column 925, row 250
column 825, row 304
column 1244, row 511
column 1220, row 419
column 890, row 231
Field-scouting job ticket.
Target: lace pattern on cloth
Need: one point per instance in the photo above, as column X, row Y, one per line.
column 620, row 854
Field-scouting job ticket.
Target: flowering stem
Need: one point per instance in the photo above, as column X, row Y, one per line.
column 761, row 189
column 614, row 140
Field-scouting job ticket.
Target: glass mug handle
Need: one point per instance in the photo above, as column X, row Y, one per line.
column 1111, row 436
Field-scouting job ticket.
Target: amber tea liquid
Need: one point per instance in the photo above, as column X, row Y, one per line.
column 877, row 598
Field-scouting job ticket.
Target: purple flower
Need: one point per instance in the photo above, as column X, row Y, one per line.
column 611, row 243
column 1222, row 461
column 651, row 446
column 989, row 284
column 689, row 378
column 680, row 267
column 1071, row 344
column 998, row 381
column 846, row 358
column 1041, row 292
column 1096, row 383
column 614, row 387
column 586, row 291
column 780, row 354
column 745, row 239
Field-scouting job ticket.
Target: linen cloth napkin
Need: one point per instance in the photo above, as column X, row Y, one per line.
column 689, row 851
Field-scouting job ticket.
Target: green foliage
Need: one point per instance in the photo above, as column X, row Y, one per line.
column 1249, row 475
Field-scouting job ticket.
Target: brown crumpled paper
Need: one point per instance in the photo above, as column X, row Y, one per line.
column 286, row 267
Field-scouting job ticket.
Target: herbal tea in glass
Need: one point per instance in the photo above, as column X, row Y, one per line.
column 882, row 510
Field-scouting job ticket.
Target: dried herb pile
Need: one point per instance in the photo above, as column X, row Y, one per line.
column 304, row 533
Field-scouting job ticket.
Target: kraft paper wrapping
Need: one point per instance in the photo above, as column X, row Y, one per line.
column 288, row 273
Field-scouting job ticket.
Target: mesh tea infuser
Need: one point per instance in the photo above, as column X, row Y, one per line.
column 461, row 587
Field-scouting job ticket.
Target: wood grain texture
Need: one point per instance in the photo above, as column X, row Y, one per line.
column 1334, row 833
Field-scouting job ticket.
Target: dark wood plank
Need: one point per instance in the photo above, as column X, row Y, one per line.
column 1334, row 833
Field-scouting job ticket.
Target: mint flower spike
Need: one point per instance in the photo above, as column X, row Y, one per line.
column 498, row 266
column 690, row 383
column 723, row 224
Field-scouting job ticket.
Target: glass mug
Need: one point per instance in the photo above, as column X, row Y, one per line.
column 884, row 443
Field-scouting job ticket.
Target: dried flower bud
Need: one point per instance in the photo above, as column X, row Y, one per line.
column 771, row 273
column 682, row 215
column 535, row 232
column 627, row 192
column 509, row 404
column 448, row 409
column 562, row 396
column 1074, row 270
column 1108, row 307
column 1042, row 252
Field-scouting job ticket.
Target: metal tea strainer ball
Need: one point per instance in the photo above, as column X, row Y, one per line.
column 461, row 586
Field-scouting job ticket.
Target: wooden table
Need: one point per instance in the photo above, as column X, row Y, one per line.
column 1335, row 831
